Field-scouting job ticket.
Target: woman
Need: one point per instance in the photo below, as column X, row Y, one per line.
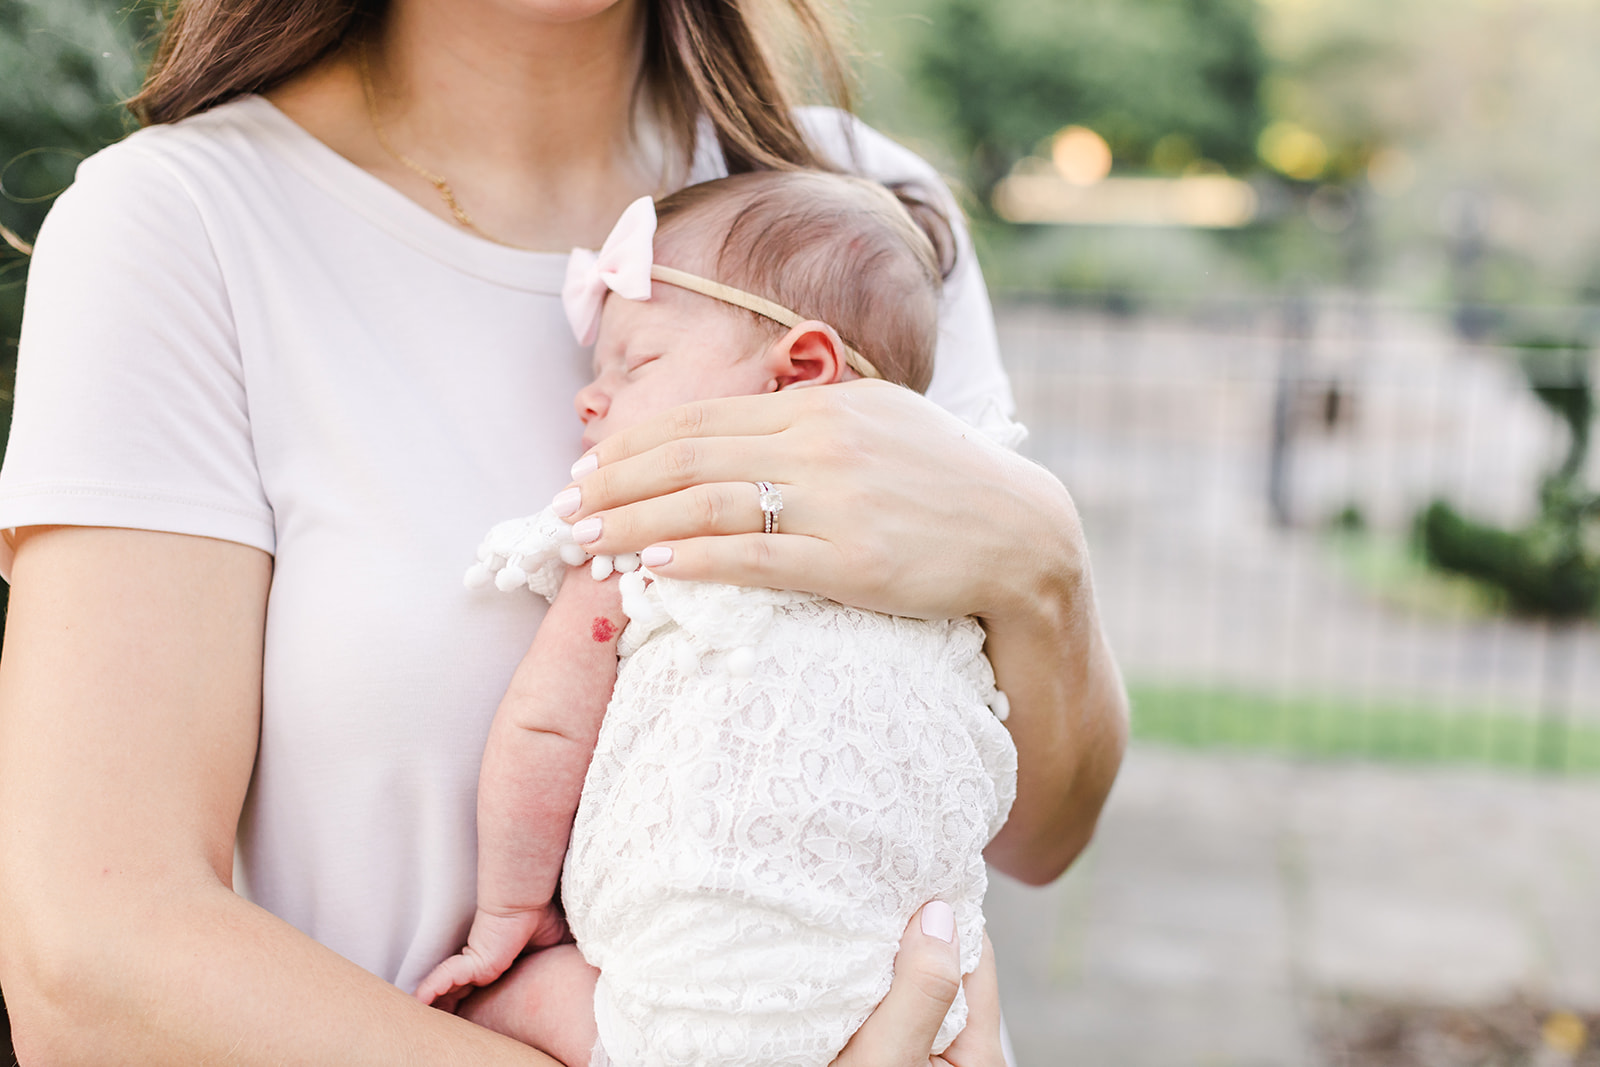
column 277, row 366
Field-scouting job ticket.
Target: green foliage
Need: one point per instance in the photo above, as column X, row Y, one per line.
column 1552, row 568
column 1163, row 81
column 1349, row 519
column 1540, row 569
column 67, row 64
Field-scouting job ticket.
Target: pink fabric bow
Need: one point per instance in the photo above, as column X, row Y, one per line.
column 622, row 266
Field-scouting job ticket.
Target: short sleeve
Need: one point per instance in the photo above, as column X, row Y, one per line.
column 130, row 405
column 968, row 378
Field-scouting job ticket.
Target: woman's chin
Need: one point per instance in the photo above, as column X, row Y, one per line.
column 563, row 11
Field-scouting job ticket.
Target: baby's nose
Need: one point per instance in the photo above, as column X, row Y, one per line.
column 591, row 402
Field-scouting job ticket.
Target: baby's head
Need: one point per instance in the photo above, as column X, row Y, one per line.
column 840, row 271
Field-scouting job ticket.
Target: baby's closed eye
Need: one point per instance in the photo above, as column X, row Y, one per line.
column 641, row 360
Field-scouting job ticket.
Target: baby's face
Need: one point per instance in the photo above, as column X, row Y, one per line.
column 655, row 354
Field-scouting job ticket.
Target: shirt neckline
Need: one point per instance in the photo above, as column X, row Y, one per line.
column 395, row 213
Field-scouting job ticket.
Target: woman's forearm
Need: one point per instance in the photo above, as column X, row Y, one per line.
column 192, row 973
column 1069, row 714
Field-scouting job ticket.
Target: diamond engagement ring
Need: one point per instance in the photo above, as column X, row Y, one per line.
column 771, row 502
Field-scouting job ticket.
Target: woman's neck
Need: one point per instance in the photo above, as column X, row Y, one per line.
column 528, row 119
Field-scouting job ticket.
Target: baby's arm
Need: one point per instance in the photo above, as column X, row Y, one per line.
column 538, row 751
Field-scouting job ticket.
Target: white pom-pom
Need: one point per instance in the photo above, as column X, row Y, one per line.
column 631, row 584
column 626, row 562
column 1001, row 706
column 510, row 578
column 601, row 568
column 573, row 554
column 742, row 662
column 477, row 576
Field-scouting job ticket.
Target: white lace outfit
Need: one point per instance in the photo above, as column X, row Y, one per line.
column 780, row 782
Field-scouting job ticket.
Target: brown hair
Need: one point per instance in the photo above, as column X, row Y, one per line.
column 702, row 57
column 867, row 261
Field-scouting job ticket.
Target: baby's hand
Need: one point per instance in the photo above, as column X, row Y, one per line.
column 493, row 945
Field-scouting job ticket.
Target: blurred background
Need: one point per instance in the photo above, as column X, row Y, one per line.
column 1299, row 299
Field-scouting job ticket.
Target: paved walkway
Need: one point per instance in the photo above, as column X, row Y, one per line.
column 1225, row 895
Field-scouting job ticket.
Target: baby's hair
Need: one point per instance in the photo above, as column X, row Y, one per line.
column 868, row 261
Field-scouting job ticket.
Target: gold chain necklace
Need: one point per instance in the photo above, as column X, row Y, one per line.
column 447, row 194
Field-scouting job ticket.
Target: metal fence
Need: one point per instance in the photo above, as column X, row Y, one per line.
column 1249, row 476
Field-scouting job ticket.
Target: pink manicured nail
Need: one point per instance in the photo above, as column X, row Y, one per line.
column 567, row 501
column 938, row 920
column 586, row 465
column 587, row 530
column 656, row 555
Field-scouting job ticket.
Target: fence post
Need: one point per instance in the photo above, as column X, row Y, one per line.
column 1554, row 685
column 1291, row 370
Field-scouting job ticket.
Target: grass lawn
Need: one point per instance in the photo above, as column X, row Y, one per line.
column 1330, row 728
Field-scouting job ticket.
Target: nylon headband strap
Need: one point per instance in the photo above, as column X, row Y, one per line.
column 751, row 302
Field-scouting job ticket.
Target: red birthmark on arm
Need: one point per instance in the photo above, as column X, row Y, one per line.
column 603, row 629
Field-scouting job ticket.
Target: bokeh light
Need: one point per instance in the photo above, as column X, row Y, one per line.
column 1292, row 150
column 1081, row 156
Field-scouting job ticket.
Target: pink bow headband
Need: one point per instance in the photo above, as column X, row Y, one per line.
column 625, row 266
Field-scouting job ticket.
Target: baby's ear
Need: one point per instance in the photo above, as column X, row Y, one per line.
column 811, row 353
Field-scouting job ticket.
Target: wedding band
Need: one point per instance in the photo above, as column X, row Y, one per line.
column 771, row 502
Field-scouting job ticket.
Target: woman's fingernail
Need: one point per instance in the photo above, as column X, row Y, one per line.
column 656, row 556
column 587, row 530
column 938, row 920
column 585, row 465
column 567, row 501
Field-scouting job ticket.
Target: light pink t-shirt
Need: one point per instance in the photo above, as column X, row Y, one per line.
column 232, row 331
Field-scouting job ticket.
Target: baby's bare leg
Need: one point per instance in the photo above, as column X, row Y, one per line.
column 545, row 1000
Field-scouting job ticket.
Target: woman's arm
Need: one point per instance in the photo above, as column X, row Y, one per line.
column 129, row 709
column 892, row 504
column 1069, row 714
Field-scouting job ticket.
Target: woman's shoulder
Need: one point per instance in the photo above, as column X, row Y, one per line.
column 148, row 198
column 164, row 169
column 222, row 133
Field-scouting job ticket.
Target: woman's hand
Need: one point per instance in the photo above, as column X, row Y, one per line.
column 927, row 973
column 890, row 503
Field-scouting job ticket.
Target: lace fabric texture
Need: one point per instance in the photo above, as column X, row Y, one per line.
column 780, row 782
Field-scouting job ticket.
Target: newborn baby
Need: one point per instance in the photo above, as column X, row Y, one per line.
column 778, row 781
